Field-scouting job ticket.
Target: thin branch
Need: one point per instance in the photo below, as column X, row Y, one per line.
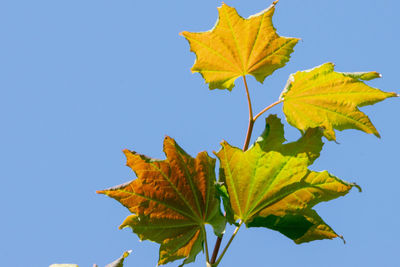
column 248, row 135
column 251, row 119
column 229, row 243
column 267, row 108
column 216, row 249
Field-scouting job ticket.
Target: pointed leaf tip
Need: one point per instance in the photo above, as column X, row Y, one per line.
column 357, row 186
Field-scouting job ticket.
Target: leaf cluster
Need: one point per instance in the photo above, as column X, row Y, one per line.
column 267, row 185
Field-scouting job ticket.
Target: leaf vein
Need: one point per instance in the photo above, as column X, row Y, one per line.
column 160, row 202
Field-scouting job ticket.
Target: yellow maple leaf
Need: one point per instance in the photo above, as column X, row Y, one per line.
column 321, row 97
column 236, row 47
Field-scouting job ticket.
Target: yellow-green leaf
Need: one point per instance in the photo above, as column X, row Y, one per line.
column 223, row 193
column 272, row 139
column 321, row 97
column 271, row 186
column 236, row 47
column 171, row 200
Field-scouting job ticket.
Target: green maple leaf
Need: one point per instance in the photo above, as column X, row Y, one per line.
column 236, row 47
column 171, row 201
column 271, row 186
column 321, row 97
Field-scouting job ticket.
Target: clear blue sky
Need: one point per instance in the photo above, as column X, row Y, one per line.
column 82, row 80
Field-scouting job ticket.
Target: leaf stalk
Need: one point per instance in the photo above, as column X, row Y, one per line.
column 267, row 108
column 228, row 244
column 206, row 244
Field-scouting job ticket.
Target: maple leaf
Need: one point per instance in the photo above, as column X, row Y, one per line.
column 171, row 201
column 321, row 97
column 236, row 47
column 271, row 186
